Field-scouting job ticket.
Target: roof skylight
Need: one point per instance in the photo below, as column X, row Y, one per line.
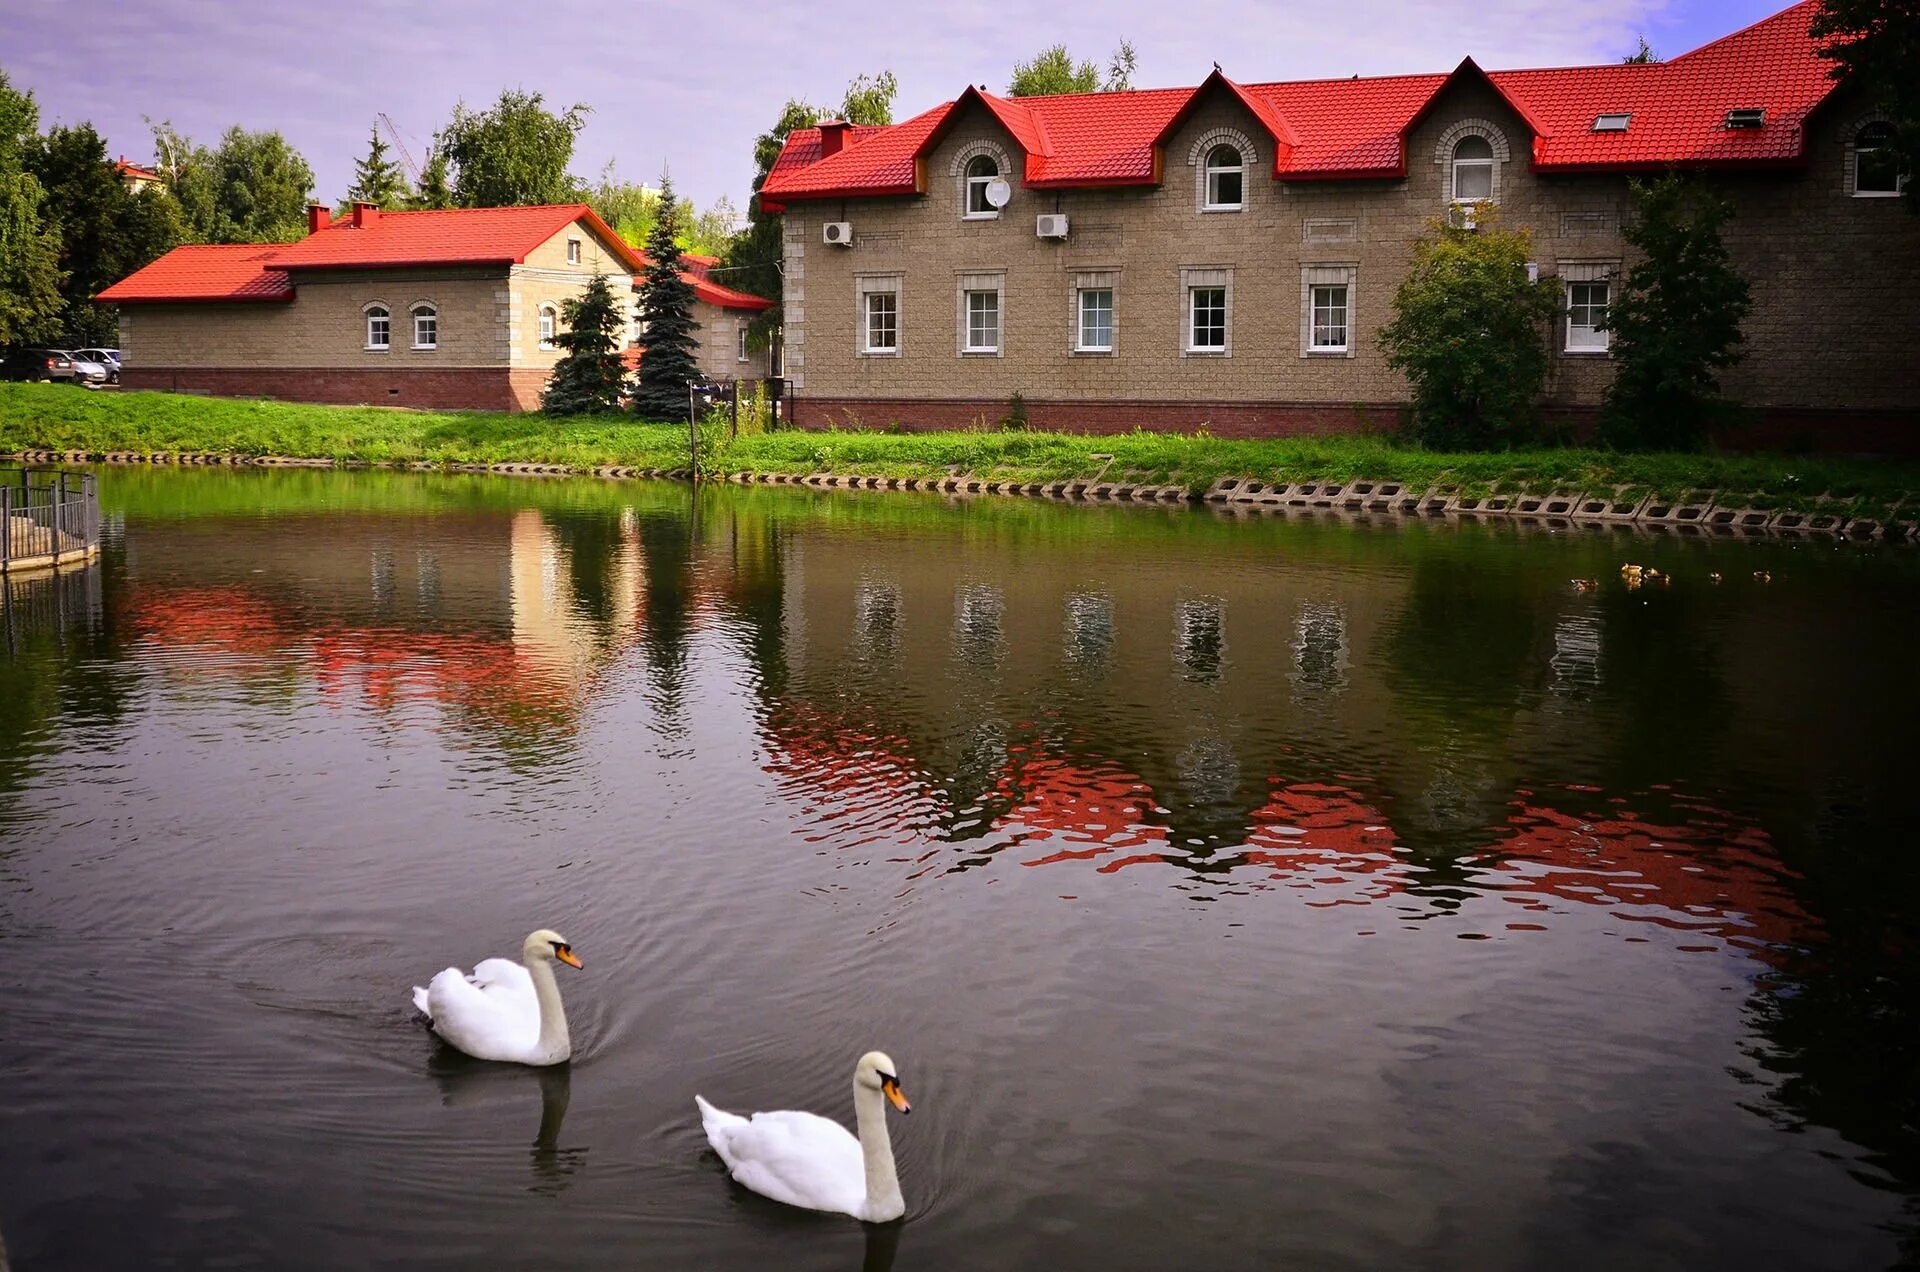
column 1615, row 122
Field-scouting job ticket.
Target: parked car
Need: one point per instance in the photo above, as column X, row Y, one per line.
column 36, row 364
column 108, row 358
column 86, row 372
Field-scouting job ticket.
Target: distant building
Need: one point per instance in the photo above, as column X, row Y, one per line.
column 1226, row 255
column 448, row 309
column 136, row 177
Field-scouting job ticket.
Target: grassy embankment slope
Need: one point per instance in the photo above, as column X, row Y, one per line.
column 56, row 418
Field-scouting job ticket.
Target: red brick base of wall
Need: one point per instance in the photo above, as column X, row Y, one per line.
column 446, row 389
column 1865, row 432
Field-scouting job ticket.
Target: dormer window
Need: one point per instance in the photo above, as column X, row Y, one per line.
column 1472, row 169
column 1746, row 117
column 1226, row 176
column 573, row 251
column 1612, row 122
column 982, row 171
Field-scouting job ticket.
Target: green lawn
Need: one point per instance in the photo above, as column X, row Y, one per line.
column 58, row 418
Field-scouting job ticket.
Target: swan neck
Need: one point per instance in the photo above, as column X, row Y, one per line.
column 554, row 1043
column 876, row 1148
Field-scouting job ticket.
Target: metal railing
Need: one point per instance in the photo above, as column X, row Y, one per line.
column 47, row 519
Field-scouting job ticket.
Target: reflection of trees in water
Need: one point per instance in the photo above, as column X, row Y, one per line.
column 666, row 543
column 591, row 540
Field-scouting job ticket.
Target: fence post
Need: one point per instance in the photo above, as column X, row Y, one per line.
column 6, row 528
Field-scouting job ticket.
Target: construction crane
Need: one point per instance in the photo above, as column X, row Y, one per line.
column 406, row 156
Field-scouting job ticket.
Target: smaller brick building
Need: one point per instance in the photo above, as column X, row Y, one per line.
column 451, row 309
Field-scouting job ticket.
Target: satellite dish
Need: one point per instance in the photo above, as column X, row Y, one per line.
column 998, row 193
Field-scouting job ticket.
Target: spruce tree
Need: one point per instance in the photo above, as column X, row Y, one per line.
column 1676, row 322
column 376, row 178
column 666, row 311
column 591, row 378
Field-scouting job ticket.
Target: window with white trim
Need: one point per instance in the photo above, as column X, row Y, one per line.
column 983, row 320
column 1094, row 332
column 549, row 325
column 1876, row 163
column 741, row 353
column 573, row 251
column 882, row 322
column 379, row 327
column 1587, row 301
column 1226, row 178
column 1206, row 319
column 1327, row 305
column 982, row 171
column 426, row 326
column 1472, row 169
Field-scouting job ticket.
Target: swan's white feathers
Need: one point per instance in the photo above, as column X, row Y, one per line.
column 493, row 1012
column 798, row 1158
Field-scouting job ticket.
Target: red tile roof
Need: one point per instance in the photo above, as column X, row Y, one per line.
column 1358, row 127
column 134, row 170
column 457, row 236
column 218, row 272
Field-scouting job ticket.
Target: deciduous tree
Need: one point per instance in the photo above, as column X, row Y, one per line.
column 591, row 379
column 667, row 327
column 1467, row 330
column 1053, row 71
column 252, row 188
column 1877, row 43
column 1676, row 322
column 515, row 152
column 30, row 301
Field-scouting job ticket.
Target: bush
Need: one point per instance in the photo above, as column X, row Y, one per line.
column 1467, row 330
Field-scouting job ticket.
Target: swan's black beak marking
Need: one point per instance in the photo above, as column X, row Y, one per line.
column 890, row 1085
column 565, row 954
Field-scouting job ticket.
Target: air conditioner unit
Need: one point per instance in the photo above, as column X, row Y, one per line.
column 1466, row 216
column 838, row 233
column 1050, row 225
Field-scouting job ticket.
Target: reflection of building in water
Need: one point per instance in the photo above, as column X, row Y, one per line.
column 979, row 612
column 1576, row 653
column 1320, row 647
column 876, row 619
column 1088, row 629
column 1200, row 637
column 550, row 624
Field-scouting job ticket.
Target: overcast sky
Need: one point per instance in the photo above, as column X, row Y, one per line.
column 691, row 84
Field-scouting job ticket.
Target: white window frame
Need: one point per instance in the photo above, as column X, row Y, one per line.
column 1314, row 276
column 865, row 287
column 1194, row 280
column 1487, row 164
column 883, row 306
column 1080, row 296
column 741, row 354
column 1854, row 152
column 426, row 309
column 1314, row 308
column 1212, row 202
column 982, row 300
column 379, row 311
column 573, row 251
column 978, row 183
column 548, row 324
column 1598, row 341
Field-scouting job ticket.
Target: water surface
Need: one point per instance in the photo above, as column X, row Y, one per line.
column 1231, row 893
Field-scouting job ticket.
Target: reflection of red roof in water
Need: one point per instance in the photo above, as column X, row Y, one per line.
column 868, row 781
column 1097, row 805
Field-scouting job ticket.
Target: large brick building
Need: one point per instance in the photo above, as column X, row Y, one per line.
column 451, row 309
column 1225, row 255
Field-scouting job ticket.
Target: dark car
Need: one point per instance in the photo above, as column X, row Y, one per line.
column 36, row 364
column 108, row 358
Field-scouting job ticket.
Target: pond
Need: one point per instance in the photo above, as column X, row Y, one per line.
column 1230, row 892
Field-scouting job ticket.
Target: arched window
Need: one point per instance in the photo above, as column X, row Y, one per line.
column 549, row 324
column 426, row 326
column 1225, row 178
column 1472, row 170
column 982, row 171
column 379, row 327
column 1876, row 164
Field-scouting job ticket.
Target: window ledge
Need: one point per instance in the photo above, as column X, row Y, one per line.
column 1586, row 353
column 879, row 353
column 979, row 353
column 1329, row 353
column 979, row 216
column 1222, row 207
column 375, row 348
column 1107, row 352
column 425, row 348
column 1203, row 353
column 1879, row 194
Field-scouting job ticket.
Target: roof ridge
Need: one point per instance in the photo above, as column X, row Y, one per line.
column 1734, row 35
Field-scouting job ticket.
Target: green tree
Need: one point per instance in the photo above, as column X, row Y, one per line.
column 1676, row 322
column 106, row 232
column 1053, row 71
column 1467, row 330
column 666, row 312
column 753, row 256
column 514, row 153
column 591, row 378
column 435, row 189
column 376, row 178
column 30, row 302
column 1642, row 55
column 253, row 188
column 1877, row 44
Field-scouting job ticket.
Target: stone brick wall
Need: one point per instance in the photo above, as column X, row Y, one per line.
column 1833, row 326
column 443, row 388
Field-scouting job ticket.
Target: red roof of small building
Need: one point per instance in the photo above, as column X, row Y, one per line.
column 206, row 272
column 455, row 236
column 134, row 170
column 1357, row 128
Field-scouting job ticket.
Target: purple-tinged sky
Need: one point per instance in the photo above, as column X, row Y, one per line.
column 691, row 84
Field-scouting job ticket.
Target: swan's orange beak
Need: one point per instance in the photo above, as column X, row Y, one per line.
column 566, row 955
column 898, row 1097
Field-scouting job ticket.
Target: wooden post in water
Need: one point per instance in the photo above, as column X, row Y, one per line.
column 693, row 437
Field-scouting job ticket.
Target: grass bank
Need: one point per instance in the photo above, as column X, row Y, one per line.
column 59, row 418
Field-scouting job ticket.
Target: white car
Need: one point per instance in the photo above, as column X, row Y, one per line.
column 86, row 372
column 108, row 358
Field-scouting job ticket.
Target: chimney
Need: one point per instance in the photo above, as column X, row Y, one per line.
column 364, row 214
column 833, row 136
column 319, row 217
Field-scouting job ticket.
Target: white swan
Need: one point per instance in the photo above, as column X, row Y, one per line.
column 806, row 1160
column 504, row 1010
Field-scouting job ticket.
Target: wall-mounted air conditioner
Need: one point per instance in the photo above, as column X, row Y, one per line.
column 838, row 233
column 1050, row 225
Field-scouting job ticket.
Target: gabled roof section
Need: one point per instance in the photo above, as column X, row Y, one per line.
column 457, row 236
column 1357, row 128
column 206, row 273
